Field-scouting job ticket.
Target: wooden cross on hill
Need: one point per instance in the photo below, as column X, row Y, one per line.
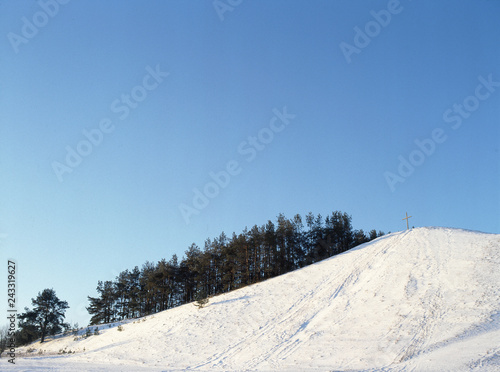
column 407, row 227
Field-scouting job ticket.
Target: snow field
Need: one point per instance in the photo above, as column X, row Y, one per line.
column 424, row 299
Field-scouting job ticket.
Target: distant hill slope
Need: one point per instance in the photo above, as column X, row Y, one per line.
column 424, row 299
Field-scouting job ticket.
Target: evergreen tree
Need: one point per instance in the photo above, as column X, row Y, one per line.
column 46, row 317
column 122, row 293
column 149, row 291
column 102, row 308
column 270, row 256
column 201, row 298
column 255, row 247
column 174, row 282
column 161, row 282
column 299, row 242
column 135, row 293
column 360, row 237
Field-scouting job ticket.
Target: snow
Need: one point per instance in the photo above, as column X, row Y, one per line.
column 420, row 300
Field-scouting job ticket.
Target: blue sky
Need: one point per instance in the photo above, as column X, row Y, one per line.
column 310, row 112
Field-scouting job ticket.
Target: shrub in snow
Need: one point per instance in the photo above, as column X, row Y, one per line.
column 201, row 303
column 201, row 299
column 120, row 328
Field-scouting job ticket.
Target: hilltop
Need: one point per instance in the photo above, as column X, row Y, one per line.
column 423, row 299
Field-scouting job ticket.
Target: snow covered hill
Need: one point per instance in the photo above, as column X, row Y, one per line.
column 424, row 299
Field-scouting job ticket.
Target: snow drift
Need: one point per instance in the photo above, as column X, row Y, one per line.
column 424, row 299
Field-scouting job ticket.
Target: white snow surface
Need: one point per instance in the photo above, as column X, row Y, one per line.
column 426, row 299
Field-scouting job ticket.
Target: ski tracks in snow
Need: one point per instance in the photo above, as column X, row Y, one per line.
column 430, row 307
column 290, row 327
column 295, row 327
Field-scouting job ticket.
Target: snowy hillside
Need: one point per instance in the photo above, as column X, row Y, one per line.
column 425, row 299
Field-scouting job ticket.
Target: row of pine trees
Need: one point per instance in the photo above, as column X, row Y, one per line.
column 225, row 264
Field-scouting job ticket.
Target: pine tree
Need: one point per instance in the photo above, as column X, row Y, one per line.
column 75, row 329
column 201, row 299
column 46, row 317
column 102, row 308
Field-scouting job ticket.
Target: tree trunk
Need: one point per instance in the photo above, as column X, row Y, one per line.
column 43, row 333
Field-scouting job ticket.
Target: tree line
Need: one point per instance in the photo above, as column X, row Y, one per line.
column 225, row 264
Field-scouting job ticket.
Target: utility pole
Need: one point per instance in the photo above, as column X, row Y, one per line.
column 407, row 227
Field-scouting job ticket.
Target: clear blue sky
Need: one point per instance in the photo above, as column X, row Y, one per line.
column 351, row 105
